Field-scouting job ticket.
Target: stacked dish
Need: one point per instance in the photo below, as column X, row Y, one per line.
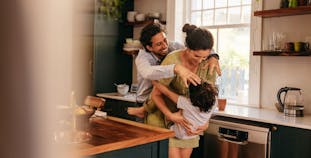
column 132, row 46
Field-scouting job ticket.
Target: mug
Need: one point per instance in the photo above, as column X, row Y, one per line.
column 297, row 46
column 131, row 16
column 290, row 46
column 304, row 46
column 222, row 104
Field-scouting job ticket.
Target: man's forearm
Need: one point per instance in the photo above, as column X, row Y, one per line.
column 213, row 54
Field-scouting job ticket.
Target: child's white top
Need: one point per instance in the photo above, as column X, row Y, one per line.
column 193, row 115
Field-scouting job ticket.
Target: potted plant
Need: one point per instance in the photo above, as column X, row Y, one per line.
column 111, row 9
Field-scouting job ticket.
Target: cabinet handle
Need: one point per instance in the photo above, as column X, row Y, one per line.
column 274, row 128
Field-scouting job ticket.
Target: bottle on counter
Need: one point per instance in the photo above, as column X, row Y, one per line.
column 284, row 4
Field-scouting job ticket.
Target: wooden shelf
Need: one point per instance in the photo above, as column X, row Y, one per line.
column 132, row 52
column 143, row 23
column 300, row 10
column 282, row 53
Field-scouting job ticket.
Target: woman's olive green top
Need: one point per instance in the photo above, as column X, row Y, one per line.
column 154, row 115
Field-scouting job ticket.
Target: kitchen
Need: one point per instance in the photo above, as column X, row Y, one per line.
column 72, row 53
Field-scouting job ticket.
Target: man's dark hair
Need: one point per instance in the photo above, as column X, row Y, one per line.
column 203, row 95
column 148, row 32
column 198, row 38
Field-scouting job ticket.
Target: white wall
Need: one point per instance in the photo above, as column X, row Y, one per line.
column 283, row 71
column 149, row 6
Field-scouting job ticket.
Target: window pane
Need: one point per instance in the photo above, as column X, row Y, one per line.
column 234, row 15
column 214, row 33
column 220, row 16
column 234, row 59
column 246, row 12
column 196, row 4
column 220, row 3
column 208, row 17
column 196, row 18
column 208, row 4
column 246, row 1
column 234, row 2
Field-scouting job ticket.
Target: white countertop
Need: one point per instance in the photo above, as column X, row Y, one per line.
column 129, row 97
column 240, row 112
column 265, row 115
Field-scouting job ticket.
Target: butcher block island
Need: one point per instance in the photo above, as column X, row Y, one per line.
column 114, row 137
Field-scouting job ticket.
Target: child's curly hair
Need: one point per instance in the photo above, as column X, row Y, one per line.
column 203, row 95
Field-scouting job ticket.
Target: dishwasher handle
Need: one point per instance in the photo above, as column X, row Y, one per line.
column 230, row 139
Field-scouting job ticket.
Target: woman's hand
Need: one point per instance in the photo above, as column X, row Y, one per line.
column 187, row 76
column 212, row 63
column 179, row 119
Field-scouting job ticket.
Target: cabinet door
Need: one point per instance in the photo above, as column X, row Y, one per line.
column 118, row 108
column 151, row 150
column 289, row 142
column 110, row 64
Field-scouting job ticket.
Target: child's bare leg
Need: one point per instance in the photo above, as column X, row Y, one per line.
column 174, row 152
column 185, row 152
column 136, row 111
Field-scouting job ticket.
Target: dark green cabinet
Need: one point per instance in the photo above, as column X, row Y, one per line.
column 290, row 142
column 157, row 149
column 285, row 141
column 118, row 108
column 110, row 64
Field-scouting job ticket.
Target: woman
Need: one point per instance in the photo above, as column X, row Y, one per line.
column 162, row 111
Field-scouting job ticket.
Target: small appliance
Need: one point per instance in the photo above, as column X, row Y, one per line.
column 292, row 101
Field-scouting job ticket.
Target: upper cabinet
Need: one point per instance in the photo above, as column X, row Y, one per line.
column 284, row 12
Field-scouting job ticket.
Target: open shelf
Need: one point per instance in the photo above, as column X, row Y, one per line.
column 131, row 52
column 282, row 53
column 143, row 23
column 300, row 10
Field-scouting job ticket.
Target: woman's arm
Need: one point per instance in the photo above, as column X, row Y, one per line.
column 165, row 91
column 157, row 97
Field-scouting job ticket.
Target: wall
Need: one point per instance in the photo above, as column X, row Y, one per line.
column 148, row 6
column 277, row 72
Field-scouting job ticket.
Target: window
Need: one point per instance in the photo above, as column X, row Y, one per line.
column 229, row 22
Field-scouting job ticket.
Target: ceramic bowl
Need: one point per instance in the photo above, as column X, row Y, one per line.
column 131, row 16
column 140, row 17
column 155, row 15
column 123, row 89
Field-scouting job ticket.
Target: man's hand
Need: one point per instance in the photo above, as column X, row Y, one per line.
column 186, row 75
column 212, row 63
column 179, row 119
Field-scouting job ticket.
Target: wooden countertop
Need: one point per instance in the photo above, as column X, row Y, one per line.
column 115, row 133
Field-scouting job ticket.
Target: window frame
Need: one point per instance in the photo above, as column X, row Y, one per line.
column 175, row 24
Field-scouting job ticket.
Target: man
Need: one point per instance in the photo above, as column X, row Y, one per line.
column 153, row 38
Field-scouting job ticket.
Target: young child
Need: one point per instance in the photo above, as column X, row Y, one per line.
column 197, row 109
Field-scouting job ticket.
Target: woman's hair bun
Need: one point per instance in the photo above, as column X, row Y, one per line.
column 187, row 28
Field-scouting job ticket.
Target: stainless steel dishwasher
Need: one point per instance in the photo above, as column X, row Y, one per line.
column 236, row 139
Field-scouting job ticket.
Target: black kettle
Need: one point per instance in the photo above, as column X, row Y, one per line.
column 285, row 89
